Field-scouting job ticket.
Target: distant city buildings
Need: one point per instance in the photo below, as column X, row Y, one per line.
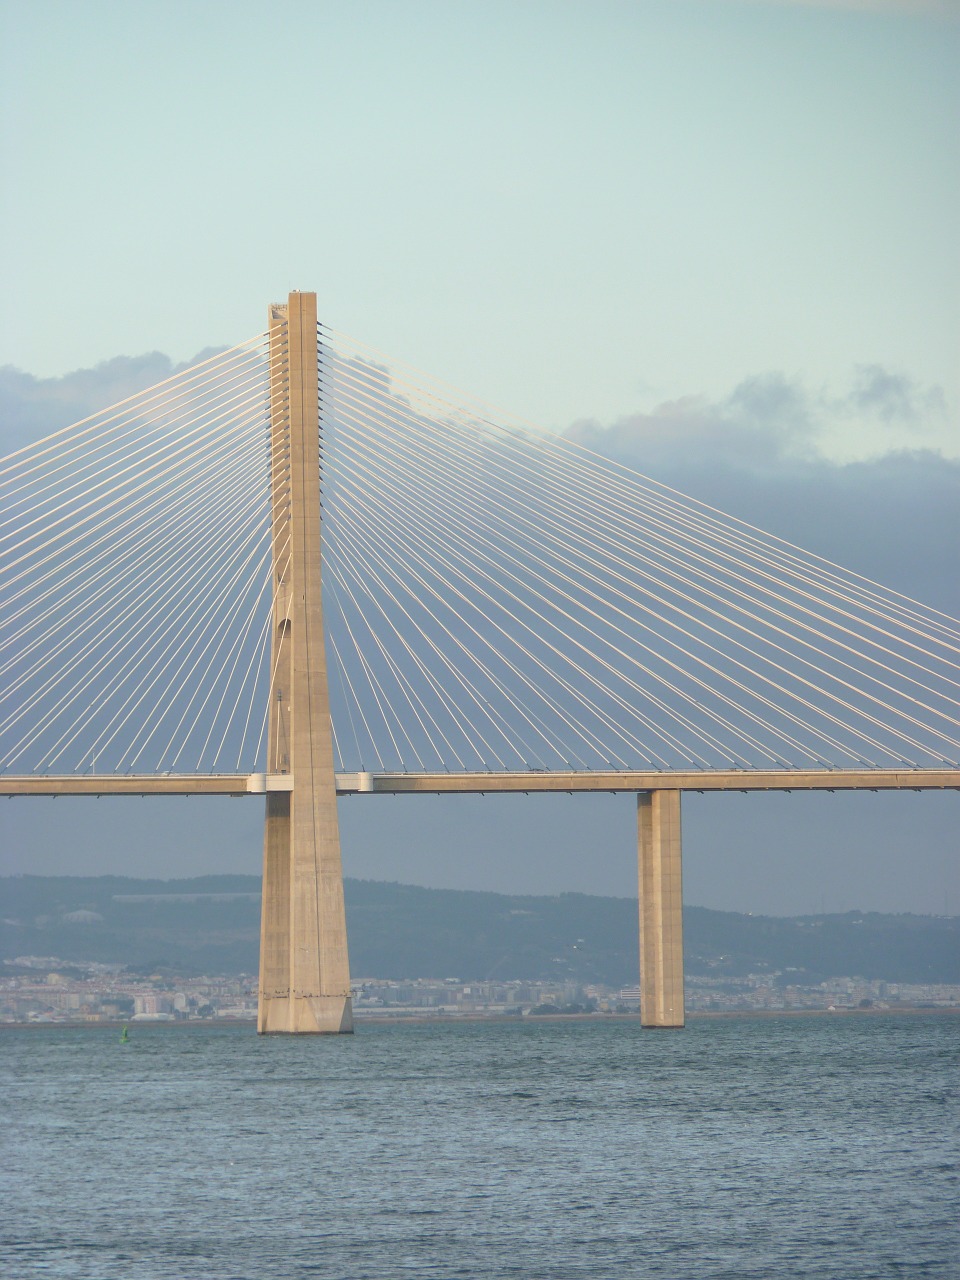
column 46, row 989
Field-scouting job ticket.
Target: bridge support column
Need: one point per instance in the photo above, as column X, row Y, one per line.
column 661, row 909
column 304, row 970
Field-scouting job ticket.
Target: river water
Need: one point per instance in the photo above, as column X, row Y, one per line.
column 741, row 1147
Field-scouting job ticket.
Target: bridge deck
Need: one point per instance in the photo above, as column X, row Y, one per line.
column 489, row 783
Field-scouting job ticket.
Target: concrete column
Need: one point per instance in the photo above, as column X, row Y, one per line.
column 661, row 909
column 304, row 970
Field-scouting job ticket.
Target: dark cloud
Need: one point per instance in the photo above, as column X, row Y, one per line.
column 31, row 408
column 764, row 424
column 895, row 398
column 757, row 455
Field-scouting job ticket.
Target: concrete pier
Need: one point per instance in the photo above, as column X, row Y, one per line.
column 304, row 969
column 661, row 909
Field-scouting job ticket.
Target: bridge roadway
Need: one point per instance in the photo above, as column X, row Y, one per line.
column 243, row 784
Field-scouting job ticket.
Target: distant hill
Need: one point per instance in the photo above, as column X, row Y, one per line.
column 210, row 925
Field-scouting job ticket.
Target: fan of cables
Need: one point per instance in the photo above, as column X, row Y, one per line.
column 498, row 598
column 494, row 598
column 135, row 581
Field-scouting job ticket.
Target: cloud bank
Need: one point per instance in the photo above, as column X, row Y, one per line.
column 31, row 408
column 763, row 454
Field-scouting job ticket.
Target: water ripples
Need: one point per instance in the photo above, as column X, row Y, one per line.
column 741, row 1148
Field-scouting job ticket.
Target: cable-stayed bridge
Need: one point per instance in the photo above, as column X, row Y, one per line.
column 299, row 570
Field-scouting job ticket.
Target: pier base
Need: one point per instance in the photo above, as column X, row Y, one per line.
column 304, row 969
column 661, row 909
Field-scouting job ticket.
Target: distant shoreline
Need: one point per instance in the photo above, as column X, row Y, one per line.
column 420, row 1019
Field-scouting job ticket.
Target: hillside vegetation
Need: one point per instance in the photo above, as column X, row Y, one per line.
column 210, row 925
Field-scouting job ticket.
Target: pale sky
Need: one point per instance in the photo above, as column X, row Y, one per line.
column 718, row 230
column 570, row 209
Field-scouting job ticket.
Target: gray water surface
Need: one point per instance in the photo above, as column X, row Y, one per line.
column 741, row 1147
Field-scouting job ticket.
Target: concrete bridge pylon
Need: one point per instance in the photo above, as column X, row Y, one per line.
column 304, row 967
column 661, row 909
